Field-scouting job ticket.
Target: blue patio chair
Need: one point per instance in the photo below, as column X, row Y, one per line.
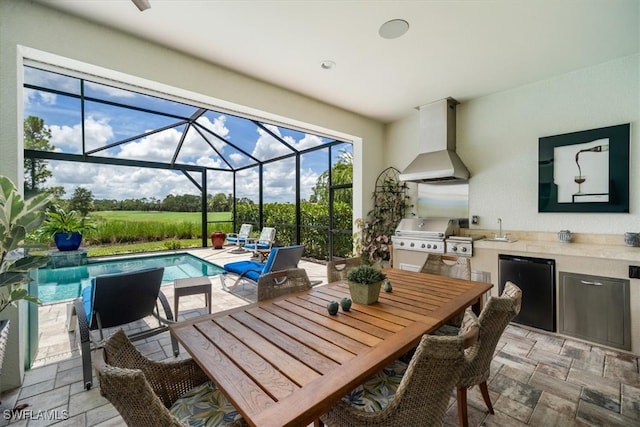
column 282, row 258
column 240, row 238
column 265, row 241
column 118, row 299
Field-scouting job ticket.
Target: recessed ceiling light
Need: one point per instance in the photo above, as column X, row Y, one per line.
column 393, row 29
column 327, row 64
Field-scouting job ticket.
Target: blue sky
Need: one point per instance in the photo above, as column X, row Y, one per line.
column 105, row 124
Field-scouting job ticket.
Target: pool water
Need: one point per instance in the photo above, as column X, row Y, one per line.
column 60, row 284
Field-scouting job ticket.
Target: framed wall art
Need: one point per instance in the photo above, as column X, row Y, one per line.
column 586, row 171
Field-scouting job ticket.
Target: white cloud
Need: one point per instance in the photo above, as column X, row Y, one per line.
column 68, row 138
column 33, row 97
column 119, row 182
column 161, row 147
column 158, row 147
column 110, row 91
column 309, row 141
column 236, row 158
column 267, row 147
column 218, row 125
column 47, row 79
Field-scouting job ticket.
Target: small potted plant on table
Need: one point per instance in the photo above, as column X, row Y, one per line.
column 364, row 284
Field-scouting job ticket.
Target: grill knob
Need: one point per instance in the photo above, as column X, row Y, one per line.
column 429, row 246
column 423, row 246
column 435, row 246
column 454, row 249
column 401, row 243
column 464, row 249
column 412, row 245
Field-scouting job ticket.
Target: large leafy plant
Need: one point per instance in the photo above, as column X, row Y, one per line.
column 18, row 218
column 59, row 220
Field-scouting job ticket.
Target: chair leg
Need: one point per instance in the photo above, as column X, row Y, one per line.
column 485, row 395
column 318, row 423
column 85, row 343
column 174, row 345
column 462, row 407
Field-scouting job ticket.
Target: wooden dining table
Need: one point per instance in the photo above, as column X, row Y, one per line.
column 284, row 362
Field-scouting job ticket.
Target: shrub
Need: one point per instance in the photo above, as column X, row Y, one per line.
column 365, row 274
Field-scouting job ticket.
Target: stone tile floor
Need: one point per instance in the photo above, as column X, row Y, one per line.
column 537, row 379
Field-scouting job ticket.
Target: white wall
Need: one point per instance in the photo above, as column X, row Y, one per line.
column 497, row 138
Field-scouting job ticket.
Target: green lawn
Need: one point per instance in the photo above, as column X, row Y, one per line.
column 130, row 248
column 144, row 216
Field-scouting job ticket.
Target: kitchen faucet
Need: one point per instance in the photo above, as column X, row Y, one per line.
column 499, row 235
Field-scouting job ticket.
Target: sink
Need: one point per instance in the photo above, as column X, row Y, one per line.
column 499, row 239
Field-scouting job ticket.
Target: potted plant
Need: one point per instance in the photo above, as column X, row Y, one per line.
column 364, row 283
column 66, row 227
column 18, row 217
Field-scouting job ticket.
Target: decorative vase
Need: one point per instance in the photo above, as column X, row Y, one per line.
column 68, row 241
column 632, row 239
column 364, row 294
column 565, row 236
column 217, row 239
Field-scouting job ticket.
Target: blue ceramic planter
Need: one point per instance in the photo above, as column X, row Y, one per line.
column 68, row 241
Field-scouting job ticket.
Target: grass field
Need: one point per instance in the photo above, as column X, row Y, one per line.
column 155, row 216
column 131, row 248
column 140, row 231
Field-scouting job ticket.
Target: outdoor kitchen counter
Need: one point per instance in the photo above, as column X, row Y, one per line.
column 594, row 255
column 589, row 250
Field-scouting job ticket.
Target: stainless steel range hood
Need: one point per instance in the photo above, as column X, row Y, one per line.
column 437, row 161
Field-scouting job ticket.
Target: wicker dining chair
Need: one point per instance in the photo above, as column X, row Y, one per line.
column 456, row 267
column 493, row 320
column 337, row 269
column 278, row 283
column 150, row 393
column 413, row 394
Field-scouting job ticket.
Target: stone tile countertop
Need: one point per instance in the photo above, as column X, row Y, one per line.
column 582, row 245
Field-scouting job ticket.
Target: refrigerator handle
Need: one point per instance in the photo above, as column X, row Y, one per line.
column 586, row 282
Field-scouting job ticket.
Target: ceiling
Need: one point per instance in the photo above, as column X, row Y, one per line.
column 459, row 48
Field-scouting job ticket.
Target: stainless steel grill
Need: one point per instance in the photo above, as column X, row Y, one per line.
column 424, row 235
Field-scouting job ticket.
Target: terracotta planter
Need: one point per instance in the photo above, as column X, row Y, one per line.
column 217, row 239
column 364, row 294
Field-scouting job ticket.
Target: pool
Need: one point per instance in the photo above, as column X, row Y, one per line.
column 66, row 283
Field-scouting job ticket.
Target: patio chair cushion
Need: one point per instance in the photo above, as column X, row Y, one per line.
column 376, row 392
column 87, row 298
column 204, row 405
column 234, row 239
column 252, row 270
column 280, row 258
column 257, row 246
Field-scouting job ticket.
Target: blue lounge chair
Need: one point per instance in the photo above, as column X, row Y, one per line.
column 282, row 258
